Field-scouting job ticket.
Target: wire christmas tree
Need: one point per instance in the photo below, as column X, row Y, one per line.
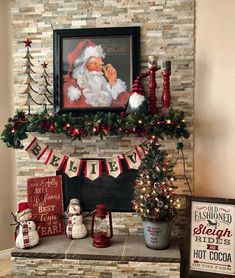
column 45, row 93
column 30, row 91
column 155, row 197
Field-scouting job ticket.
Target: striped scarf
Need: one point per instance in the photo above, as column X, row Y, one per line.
column 69, row 226
column 25, row 231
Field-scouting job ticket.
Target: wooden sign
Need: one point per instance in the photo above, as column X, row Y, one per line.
column 211, row 232
column 45, row 198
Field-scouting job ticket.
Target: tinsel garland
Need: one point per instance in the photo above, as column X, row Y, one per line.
column 99, row 124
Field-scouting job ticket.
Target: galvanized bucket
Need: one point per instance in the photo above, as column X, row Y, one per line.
column 157, row 234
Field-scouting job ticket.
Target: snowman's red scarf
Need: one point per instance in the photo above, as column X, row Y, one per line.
column 69, row 225
column 25, row 231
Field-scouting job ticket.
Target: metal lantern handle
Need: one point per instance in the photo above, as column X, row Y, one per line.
column 110, row 224
column 92, row 223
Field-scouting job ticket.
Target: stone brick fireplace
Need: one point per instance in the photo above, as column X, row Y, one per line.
column 167, row 30
column 127, row 256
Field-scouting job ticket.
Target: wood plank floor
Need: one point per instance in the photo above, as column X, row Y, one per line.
column 5, row 266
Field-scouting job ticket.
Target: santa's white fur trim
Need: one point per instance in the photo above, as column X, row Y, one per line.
column 117, row 89
column 136, row 100
column 90, row 51
column 73, row 93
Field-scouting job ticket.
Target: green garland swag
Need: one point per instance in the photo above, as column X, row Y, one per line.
column 101, row 124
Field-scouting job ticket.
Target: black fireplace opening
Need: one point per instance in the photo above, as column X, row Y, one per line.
column 116, row 193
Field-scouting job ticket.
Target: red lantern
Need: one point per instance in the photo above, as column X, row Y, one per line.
column 101, row 231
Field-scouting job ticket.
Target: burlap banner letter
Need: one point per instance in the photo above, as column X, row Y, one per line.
column 73, row 167
column 140, row 150
column 93, row 169
column 132, row 159
column 113, row 166
column 36, row 149
column 144, row 146
column 55, row 160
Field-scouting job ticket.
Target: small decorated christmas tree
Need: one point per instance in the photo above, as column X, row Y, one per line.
column 155, row 197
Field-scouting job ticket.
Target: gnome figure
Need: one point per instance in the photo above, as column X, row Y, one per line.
column 75, row 228
column 26, row 233
column 137, row 101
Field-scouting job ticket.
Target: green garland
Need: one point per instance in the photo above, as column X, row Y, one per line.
column 101, row 124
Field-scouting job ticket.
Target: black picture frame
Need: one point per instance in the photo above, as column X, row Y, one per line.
column 209, row 237
column 121, row 46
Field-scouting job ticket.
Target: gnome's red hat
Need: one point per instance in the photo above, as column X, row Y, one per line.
column 137, row 87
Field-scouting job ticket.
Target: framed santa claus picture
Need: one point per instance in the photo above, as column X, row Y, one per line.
column 94, row 69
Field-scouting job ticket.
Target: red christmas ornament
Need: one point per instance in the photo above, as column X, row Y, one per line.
column 52, row 127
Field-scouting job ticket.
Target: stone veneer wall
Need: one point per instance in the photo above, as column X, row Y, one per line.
column 93, row 268
column 167, row 30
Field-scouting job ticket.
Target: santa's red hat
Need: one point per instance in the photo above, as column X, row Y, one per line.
column 82, row 52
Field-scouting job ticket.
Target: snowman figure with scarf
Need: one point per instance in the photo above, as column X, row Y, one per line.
column 26, row 233
column 75, row 228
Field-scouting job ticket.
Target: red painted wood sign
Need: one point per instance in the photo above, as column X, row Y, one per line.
column 45, row 198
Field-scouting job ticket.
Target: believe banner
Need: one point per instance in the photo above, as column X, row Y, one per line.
column 93, row 168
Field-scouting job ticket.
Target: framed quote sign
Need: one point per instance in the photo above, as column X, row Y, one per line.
column 45, row 198
column 210, row 230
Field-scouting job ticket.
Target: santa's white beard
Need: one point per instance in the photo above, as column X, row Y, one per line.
column 95, row 90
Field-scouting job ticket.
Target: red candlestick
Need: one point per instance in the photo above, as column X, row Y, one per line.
column 152, row 65
column 166, row 96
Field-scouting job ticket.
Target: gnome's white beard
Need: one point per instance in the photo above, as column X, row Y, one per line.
column 94, row 87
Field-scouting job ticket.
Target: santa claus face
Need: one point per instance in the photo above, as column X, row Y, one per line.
column 94, row 64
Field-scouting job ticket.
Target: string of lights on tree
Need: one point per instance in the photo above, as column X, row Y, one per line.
column 155, row 197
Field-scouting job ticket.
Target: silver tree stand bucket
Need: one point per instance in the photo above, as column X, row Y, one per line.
column 157, row 234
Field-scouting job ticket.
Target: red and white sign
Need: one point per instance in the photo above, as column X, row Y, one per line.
column 212, row 238
column 45, row 198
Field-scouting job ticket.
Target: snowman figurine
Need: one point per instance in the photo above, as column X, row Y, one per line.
column 26, row 233
column 75, row 228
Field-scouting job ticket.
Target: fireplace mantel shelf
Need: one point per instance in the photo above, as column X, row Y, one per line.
column 123, row 248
